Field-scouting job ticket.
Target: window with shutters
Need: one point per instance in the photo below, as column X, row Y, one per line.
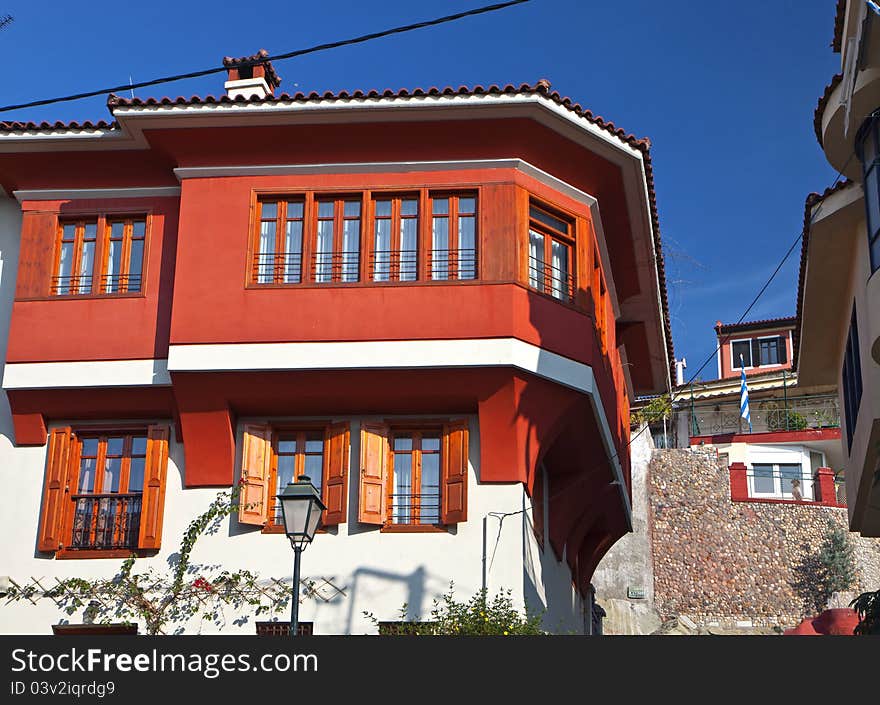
column 104, row 491
column 275, row 455
column 413, row 476
column 772, row 350
column 101, row 254
column 740, row 354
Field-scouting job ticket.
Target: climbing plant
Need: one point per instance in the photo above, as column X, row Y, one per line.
column 165, row 601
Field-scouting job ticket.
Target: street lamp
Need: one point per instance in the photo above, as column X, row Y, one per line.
column 301, row 507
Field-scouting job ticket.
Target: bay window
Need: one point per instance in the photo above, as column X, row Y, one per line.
column 868, row 150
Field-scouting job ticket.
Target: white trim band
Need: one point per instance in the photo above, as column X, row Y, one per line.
column 90, row 374
column 74, row 193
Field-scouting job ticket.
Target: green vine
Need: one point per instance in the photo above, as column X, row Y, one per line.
column 166, row 601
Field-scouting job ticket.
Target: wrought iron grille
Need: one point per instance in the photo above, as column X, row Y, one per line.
column 277, row 267
column 394, row 265
column 409, row 508
column 106, row 521
column 72, row 284
column 551, row 280
column 335, row 266
column 121, row 283
column 452, row 264
column 767, row 414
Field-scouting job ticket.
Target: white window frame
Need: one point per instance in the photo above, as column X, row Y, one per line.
column 781, row 455
column 733, row 366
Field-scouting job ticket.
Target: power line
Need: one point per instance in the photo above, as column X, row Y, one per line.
column 278, row 57
column 6, row 20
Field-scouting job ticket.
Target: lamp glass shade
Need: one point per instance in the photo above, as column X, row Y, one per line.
column 301, row 507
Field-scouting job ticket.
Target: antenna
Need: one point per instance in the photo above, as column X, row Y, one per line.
column 131, row 86
column 6, row 20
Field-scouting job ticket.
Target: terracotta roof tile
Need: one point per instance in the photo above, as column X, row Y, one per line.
column 823, row 101
column 839, row 15
column 811, row 202
column 258, row 58
column 782, row 320
column 16, row 126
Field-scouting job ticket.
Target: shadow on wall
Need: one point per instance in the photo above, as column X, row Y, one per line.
column 415, row 590
column 10, row 230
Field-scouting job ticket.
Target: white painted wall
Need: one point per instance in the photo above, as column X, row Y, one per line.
column 377, row 572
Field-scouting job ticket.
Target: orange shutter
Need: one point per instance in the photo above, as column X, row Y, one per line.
column 455, row 472
column 56, row 493
column 374, row 470
column 256, row 459
column 336, row 452
column 153, row 499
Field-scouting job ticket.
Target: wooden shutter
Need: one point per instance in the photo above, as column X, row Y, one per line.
column 454, row 476
column 56, row 493
column 256, row 459
column 153, row 499
column 336, row 452
column 756, row 353
column 783, row 350
column 374, row 473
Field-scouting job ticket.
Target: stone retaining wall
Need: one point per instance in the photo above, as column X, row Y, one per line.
column 722, row 563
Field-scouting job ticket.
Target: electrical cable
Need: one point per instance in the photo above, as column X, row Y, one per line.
column 277, row 57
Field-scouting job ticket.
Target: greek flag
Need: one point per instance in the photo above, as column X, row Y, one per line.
column 874, row 6
column 744, row 396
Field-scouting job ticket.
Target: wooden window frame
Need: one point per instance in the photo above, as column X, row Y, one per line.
column 550, row 234
column 416, row 429
column 103, row 225
column 75, row 466
column 396, row 220
column 278, row 432
column 454, row 197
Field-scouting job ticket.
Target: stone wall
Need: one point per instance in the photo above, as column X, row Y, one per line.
column 727, row 563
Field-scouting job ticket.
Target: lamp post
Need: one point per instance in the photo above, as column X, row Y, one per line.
column 301, row 507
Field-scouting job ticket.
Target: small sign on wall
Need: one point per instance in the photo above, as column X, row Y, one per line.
column 635, row 593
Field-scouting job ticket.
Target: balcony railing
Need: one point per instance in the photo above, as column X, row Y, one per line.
column 551, row 280
column 394, row 265
column 452, row 264
column 767, row 415
column 280, row 267
column 408, row 508
column 106, row 521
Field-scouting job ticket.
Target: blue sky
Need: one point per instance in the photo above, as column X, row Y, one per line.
column 725, row 91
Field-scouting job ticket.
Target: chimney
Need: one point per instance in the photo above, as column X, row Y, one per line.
column 680, row 366
column 250, row 76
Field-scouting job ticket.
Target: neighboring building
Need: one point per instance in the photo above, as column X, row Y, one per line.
column 437, row 303
column 792, row 449
column 837, row 341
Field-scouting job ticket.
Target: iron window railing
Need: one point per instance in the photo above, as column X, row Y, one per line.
column 551, row 280
column 335, row 267
column 106, row 521
column 409, row 508
column 394, row 265
column 452, row 264
column 277, row 267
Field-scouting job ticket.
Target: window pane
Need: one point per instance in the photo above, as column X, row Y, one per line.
column 314, row 469
column 325, row 209
column 872, row 198
column 408, row 249
column 440, row 248
column 68, row 232
column 324, row 250
column 351, row 236
column 114, row 265
column 383, row 209
column 769, row 351
column 429, row 494
column 136, row 265
column 112, row 473
column 269, row 210
column 295, row 209
column 789, row 474
column 409, row 206
column 287, row 446
column 875, row 253
column 763, row 479
column 85, row 266
column 139, row 445
column 115, row 446
column 382, row 249
column 430, row 443
column 314, row 443
column 467, row 252
column 403, row 442
column 536, row 260
column 62, row 284
column 352, row 208
column 547, row 219
column 139, row 228
column 90, row 447
column 559, row 269
column 467, row 205
column 401, row 501
column 742, row 348
column 136, row 475
column 86, row 476
column 266, row 256
column 284, row 476
column 441, row 206
column 293, row 251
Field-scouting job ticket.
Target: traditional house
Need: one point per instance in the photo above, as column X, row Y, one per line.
column 437, row 304
column 837, row 340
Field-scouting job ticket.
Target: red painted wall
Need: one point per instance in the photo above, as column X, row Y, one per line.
column 727, row 371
